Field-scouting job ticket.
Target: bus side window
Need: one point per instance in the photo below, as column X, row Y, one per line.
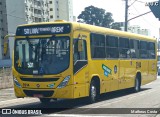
column 97, row 46
column 124, row 51
column 143, row 50
column 80, row 55
column 134, row 48
column 112, row 47
column 151, row 50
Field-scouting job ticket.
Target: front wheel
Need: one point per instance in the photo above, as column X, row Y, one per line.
column 93, row 94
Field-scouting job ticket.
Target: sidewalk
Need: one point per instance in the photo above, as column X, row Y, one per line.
column 6, row 78
column 7, row 94
column 7, row 99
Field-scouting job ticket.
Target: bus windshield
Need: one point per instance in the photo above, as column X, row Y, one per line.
column 42, row 55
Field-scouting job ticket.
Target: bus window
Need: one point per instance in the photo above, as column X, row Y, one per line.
column 79, row 57
column 98, row 46
column 134, row 48
column 151, row 50
column 112, row 47
column 124, row 51
column 143, row 49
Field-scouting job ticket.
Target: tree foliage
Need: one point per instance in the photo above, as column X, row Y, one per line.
column 116, row 25
column 96, row 16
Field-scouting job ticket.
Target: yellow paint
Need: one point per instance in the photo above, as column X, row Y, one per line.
column 79, row 83
column 19, row 63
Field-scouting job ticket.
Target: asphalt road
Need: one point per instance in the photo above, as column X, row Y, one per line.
column 119, row 103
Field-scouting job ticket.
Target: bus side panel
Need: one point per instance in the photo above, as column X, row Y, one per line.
column 81, row 85
column 127, row 73
column 81, row 77
column 107, row 70
column 144, row 71
column 152, row 70
column 97, row 70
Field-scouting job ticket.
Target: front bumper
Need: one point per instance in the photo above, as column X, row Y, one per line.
column 66, row 92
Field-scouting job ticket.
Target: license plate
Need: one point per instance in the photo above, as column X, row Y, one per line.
column 38, row 95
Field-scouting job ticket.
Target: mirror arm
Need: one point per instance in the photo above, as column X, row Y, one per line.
column 6, row 43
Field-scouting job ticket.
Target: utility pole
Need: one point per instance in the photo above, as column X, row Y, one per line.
column 126, row 15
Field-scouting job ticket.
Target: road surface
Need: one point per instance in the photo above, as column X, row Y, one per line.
column 145, row 103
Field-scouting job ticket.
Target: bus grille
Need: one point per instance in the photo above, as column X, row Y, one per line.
column 31, row 93
column 39, row 79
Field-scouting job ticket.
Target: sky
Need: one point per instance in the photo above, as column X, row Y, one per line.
column 117, row 8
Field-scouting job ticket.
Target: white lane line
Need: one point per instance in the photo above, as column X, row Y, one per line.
column 77, row 115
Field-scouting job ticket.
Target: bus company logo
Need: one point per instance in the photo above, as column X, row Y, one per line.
column 106, row 69
column 38, row 85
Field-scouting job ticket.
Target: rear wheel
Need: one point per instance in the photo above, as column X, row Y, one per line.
column 137, row 86
column 93, row 94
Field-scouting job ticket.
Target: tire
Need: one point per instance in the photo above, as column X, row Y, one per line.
column 45, row 100
column 137, row 86
column 93, row 93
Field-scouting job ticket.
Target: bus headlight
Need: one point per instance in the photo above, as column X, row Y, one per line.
column 16, row 82
column 64, row 82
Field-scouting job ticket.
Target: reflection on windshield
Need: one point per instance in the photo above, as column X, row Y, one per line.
column 42, row 55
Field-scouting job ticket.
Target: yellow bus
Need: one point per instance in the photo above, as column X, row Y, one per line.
column 72, row 60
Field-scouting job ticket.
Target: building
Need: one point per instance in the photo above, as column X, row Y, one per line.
column 135, row 29
column 36, row 11
column 138, row 30
column 17, row 12
column 61, row 9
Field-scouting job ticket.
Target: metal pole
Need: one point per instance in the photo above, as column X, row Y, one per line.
column 126, row 16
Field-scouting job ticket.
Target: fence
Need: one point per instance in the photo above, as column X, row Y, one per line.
column 6, row 78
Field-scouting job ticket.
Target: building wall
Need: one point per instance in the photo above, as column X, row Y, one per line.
column 138, row 30
column 36, row 11
column 15, row 17
column 17, row 12
column 53, row 10
column 3, row 26
column 66, row 10
column 61, row 9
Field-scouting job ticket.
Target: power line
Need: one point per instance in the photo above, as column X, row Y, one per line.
column 140, row 1
column 144, row 18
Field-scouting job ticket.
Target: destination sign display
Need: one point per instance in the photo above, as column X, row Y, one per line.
column 48, row 29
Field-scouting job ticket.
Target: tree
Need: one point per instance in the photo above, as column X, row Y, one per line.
column 116, row 25
column 96, row 16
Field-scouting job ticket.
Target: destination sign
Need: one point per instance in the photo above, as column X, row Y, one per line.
column 43, row 29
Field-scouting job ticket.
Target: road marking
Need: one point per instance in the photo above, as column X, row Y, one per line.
column 77, row 115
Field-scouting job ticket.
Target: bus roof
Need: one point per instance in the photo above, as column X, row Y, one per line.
column 97, row 29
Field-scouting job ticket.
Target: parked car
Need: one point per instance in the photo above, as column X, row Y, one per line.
column 158, row 67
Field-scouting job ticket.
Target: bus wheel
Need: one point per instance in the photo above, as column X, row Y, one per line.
column 45, row 100
column 137, row 86
column 93, row 92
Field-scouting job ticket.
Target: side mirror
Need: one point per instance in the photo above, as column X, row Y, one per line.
column 5, row 49
column 80, row 45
